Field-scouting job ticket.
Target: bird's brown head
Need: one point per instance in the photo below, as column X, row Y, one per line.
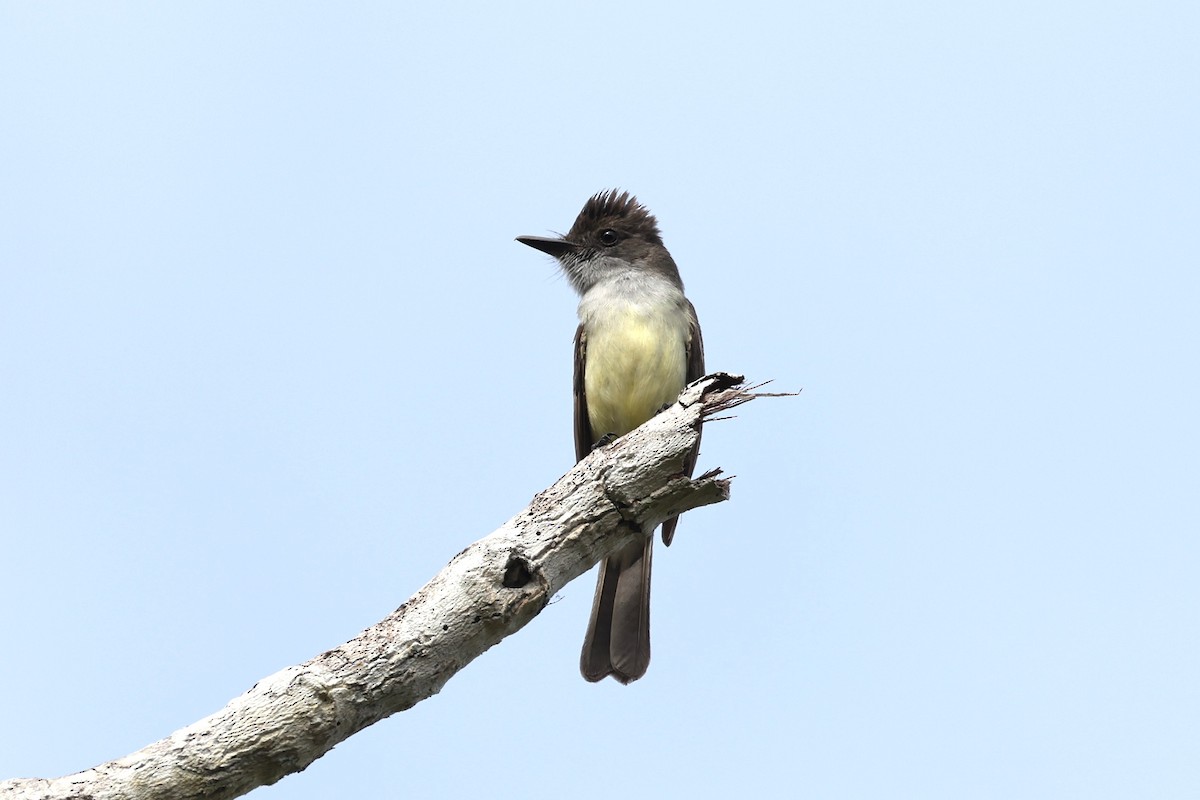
column 612, row 232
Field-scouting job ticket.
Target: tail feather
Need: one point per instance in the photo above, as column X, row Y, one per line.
column 617, row 642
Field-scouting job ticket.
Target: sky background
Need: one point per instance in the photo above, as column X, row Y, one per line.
column 270, row 357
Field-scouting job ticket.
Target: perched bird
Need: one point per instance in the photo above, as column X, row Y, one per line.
column 638, row 344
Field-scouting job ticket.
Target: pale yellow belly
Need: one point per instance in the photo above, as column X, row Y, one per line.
column 635, row 366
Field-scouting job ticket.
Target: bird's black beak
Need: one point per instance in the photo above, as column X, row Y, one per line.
column 554, row 247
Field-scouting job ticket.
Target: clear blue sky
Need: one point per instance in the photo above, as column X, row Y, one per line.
column 263, row 327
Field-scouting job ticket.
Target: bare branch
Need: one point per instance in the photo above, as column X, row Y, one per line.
column 486, row 592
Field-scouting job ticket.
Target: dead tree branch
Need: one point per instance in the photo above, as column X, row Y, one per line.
column 486, row 592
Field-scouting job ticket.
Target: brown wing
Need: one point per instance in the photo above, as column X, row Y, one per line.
column 695, row 371
column 583, row 426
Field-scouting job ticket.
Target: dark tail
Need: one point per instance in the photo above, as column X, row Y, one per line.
column 618, row 635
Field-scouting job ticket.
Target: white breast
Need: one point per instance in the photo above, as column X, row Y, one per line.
column 637, row 335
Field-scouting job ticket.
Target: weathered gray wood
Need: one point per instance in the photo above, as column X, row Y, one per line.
column 486, row 592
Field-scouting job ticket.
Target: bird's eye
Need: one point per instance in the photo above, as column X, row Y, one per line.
column 608, row 237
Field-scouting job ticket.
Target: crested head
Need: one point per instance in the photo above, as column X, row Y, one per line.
column 614, row 210
column 614, row 238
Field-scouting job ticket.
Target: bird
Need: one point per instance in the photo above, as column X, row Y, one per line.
column 637, row 346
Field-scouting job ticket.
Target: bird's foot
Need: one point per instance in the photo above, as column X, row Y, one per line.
column 604, row 441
